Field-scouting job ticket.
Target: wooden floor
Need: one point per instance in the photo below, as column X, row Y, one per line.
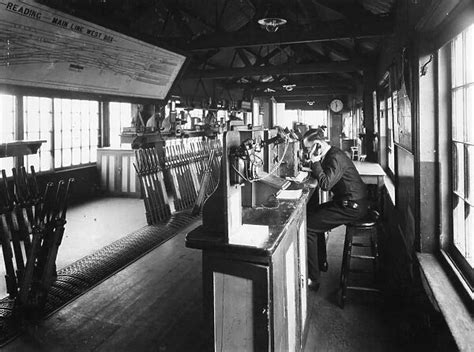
column 93, row 225
column 155, row 304
column 363, row 324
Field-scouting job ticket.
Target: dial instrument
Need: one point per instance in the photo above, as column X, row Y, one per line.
column 336, row 105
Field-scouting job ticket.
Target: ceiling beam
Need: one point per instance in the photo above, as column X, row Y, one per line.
column 318, row 105
column 320, row 67
column 315, row 83
column 328, row 31
column 244, row 57
column 303, row 98
column 350, row 10
column 307, row 93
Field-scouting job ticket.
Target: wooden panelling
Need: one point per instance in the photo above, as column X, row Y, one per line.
column 291, row 273
column 233, row 310
column 302, row 263
column 252, row 295
column 405, row 194
column 117, row 174
column 86, row 185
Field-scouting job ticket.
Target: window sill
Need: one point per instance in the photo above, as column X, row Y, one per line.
column 447, row 300
column 390, row 187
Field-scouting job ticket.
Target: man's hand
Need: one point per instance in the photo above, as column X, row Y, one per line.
column 316, row 153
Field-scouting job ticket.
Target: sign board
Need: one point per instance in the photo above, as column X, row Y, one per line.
column 42, row 47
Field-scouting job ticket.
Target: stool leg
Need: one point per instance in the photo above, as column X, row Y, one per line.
column 322, row 252
column 346, row 259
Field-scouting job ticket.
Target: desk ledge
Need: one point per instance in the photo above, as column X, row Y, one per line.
column 446, row 299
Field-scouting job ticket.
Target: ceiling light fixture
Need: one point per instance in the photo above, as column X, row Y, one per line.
column 289, row 87
column 271, row 24
column 310, row 102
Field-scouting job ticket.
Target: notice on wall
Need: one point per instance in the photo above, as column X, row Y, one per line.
column 42, row 47
column 404, row 120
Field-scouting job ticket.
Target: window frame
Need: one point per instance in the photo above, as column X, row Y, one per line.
column 13, row 133
column 21, row 92
column 71, row 148
column 24, row 133
column 455, row 260
column 453, row 251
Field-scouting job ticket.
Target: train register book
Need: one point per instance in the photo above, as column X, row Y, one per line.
column 254, row 261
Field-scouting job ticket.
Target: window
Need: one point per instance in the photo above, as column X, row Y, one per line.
column 390, row 146
column 120, row 117
column 462, row 148
column 315, row 118
column 383, row 133
column 76, row 127
column 311, row 118
column 38, row 125
column 7, row 130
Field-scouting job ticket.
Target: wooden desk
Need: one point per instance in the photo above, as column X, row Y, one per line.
column 371, row 173
column 255, row 294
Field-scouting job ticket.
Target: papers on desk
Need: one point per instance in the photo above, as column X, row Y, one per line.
column 250, row 235
column 274, row 181
column 302, row 175
column 290, row 194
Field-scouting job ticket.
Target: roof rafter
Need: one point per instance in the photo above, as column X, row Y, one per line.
column 307, row 93
column 330, row 31
column 321, row 67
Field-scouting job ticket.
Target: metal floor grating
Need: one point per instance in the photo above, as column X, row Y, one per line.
column 87, row 272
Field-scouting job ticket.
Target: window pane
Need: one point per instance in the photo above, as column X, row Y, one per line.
column 37, row 120
column 470, row 54
column 66, row 120
column 45, row 162
column 85, row 157
column 76, row 137
column 470, row 235
column 77, row 118
column 58, row 158
column 458, row 168
column 469, row 186
column 67, row 139
column 85, row 121
column 33, row 160
column 457, row 69
column 85, row 137
column 76, row 156
column 94, row 137
column 7, row 165
column 458, row 224
column 66, row 157
column 470, row 114
column 462, row 120
column 458, row 115
column 7, row 117
column 120, row 117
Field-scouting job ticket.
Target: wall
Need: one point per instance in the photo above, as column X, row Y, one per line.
column 401, row 217
column 86, row 185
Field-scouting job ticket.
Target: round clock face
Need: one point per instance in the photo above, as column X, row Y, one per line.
column 336, row 105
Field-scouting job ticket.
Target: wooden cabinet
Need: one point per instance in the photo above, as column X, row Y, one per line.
column 288, row 294
column 117, row 173
column 255, row 298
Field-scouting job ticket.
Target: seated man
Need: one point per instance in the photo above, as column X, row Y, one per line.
column 335, row 172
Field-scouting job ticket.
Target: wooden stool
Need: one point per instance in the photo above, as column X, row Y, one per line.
column 367, row 228
column 354, row 153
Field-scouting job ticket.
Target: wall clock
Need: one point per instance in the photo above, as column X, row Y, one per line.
column 336, row 105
